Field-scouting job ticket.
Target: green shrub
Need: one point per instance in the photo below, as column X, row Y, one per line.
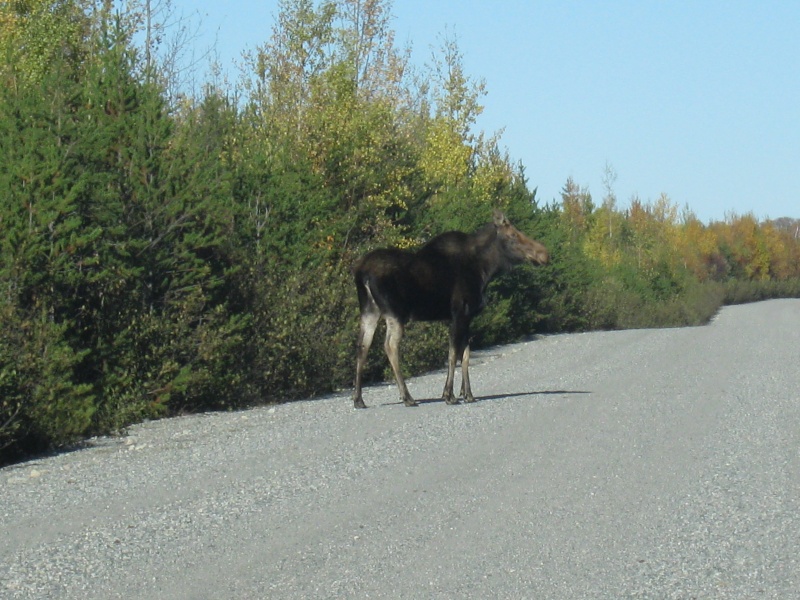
column 42, row 405
column 738, row 291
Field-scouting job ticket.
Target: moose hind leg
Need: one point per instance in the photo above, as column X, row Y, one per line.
column 394, row 334
column 369, row 322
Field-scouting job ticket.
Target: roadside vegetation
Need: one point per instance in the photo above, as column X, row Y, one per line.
column 165, row 251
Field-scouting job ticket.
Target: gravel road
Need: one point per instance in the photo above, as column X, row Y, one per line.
column 633, row 464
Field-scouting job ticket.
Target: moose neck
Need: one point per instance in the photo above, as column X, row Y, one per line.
column 491, row 259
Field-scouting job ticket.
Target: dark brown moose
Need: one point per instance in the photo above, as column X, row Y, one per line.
column 445, row 280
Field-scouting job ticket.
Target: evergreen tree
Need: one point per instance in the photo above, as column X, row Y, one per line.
column 45, row 399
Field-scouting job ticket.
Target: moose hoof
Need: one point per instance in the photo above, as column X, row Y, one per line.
column 450, row 399
column 359, row 403
column 469, row 399
column 410, row 402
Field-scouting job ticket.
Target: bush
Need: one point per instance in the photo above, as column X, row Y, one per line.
column 42, row 405
column 739, row 291
column 302, row 335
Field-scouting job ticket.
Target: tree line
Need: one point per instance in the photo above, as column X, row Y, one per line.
column 166, row 252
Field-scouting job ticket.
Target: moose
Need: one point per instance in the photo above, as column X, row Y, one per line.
column 445, row 280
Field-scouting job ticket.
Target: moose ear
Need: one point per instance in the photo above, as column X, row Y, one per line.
column 500, row 220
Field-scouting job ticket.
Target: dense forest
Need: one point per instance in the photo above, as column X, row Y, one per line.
column 166, row 251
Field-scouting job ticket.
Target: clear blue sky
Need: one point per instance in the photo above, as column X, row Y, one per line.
column 697, row 99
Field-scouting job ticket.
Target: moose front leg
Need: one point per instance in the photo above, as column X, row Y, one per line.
column 448, row 394
column 459, row 337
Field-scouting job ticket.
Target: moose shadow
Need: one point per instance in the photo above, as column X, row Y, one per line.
column 495, row 397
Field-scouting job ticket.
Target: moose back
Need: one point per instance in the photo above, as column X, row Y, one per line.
column 445, row 280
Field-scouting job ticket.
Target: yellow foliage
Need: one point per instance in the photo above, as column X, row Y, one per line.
column 698, row 246
column 602, row 241
column 445, row 158
column 34, row 32
column 490, row 179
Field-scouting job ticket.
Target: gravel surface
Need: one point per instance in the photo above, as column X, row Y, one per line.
column 634, row 464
